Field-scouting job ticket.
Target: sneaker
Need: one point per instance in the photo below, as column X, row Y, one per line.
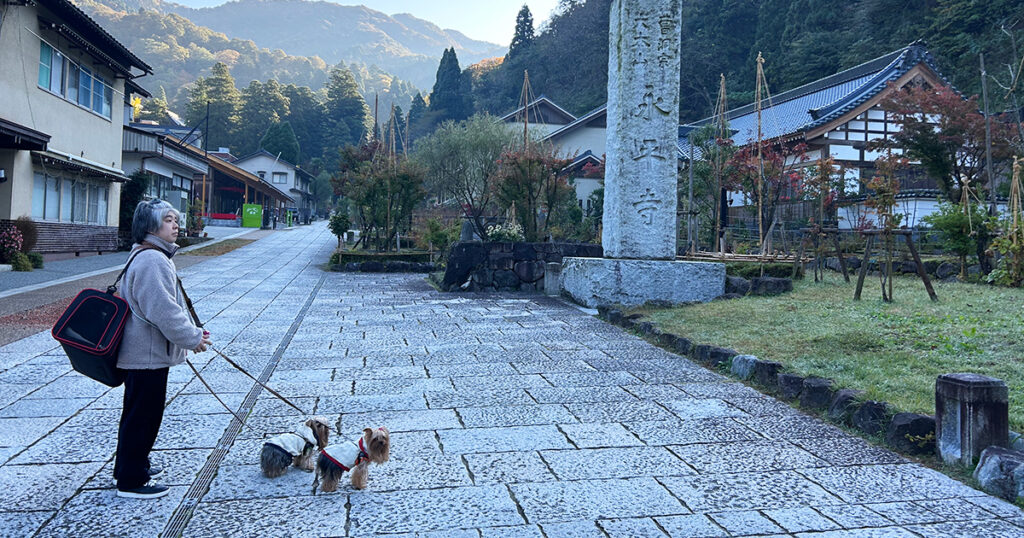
column 155, row 471
column 149, row 490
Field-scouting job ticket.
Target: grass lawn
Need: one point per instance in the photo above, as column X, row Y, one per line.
column 892, row 351
column 222, row 247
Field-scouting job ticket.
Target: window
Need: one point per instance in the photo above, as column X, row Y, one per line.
column 102, row 206
column 65, row 200
column 72, row 90
column 84, row 86
column 80, row 202
column 52, row 198
column 280, row 177
column 94, row 204
column 38, row 196
column 97, row 95
column 45, row 57
column 262, row 174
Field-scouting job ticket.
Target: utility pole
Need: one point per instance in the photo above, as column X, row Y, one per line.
column 988, row 139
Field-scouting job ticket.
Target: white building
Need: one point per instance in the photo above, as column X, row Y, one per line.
column 66, row 85
column 284, row 176
column 172, row 168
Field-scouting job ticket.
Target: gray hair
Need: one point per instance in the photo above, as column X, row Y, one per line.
column 149, row 216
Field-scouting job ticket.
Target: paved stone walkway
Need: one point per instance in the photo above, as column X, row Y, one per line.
column 512, row 415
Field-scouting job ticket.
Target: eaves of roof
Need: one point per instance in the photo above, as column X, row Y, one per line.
column 94, row 34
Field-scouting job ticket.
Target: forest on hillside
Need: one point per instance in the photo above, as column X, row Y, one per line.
column 802, row 40
column 180, row 52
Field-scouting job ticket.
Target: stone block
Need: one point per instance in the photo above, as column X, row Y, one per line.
column 683, row 345
column 972, row 413
column 743, row 366
column 645, row 327
column 843, row 405
column 790, row 385
column 594, row 281
column 506, row 281
column 615, row 317
column 463, row 259
column 552, row 274
column 768, row 285
column 524, row 251
column 737, row 285
column 483, row 277
column 946, row 270
column 667, row 340
column 1000, row 472
column 767, row 372
column 872, row 417
column 816, row 393
column 372, row 267
column 529, row 271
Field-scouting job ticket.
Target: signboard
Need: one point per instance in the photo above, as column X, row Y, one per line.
column 252, row 215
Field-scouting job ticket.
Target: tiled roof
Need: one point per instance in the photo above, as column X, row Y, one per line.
column 819, row 102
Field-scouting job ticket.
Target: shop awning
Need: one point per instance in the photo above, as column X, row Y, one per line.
column 64, row 161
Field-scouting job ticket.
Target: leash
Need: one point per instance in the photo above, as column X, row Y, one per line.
column 209, row 388
column 258, row 382
column 195, row 318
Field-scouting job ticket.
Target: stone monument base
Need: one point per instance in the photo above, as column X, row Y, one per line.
column 610, row 281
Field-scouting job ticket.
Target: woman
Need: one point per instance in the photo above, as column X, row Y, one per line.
column 156, row 336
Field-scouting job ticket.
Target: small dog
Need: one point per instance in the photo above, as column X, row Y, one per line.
column 355, row 456
column 296, row 448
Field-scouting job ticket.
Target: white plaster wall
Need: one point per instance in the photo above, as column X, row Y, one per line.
column 73, row 129
column 265, row 163
column 578, row 141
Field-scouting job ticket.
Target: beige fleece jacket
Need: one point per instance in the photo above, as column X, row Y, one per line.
column 160, row 329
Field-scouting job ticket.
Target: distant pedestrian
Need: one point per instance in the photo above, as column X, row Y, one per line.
column 156, row 337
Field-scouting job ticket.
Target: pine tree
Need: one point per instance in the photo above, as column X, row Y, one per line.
column 306, row 114
column 450, row 98
column 347, row 118
column 155, row 108
column 224, row 99
column 280, row 140
column 524, row 35
column 262, row 106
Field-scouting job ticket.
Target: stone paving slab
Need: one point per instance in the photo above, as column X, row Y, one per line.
column 21, row 524
column 783, row 489
column 594, row 499
column 508, row 468
column 514, row 438
column 102, row 513
column 42, row 487
column 427, row 510
column 615, row 463
column 518, row 415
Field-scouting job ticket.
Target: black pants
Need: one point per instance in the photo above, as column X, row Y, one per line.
column 143, row 410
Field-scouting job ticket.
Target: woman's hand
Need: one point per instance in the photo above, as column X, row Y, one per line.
column 206, row 342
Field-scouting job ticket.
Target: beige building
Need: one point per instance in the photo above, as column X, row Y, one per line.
column 66, row 84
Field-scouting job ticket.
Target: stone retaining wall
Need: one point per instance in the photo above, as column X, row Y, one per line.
column 939, row 270
column 476, row 266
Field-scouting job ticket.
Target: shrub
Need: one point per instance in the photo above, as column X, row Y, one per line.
column 510, row 231
column 36, row 259
column 19, row 262
column 10, row 243
column 339, row 224
column 29, row 233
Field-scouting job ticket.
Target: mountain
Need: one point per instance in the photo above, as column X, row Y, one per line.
column 400, row 44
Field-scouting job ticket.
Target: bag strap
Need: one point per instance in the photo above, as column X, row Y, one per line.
column 112, row 289
column 188, row 303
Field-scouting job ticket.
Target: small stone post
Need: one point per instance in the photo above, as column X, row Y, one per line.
column 552, row 278
column 972, row 413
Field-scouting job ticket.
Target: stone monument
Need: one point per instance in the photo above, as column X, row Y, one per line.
column 639, row 224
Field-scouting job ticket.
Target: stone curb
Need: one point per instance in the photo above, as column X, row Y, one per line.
column 384, row 267
column 907, row 433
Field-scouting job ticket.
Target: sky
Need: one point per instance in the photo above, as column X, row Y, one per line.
column 493, row 21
